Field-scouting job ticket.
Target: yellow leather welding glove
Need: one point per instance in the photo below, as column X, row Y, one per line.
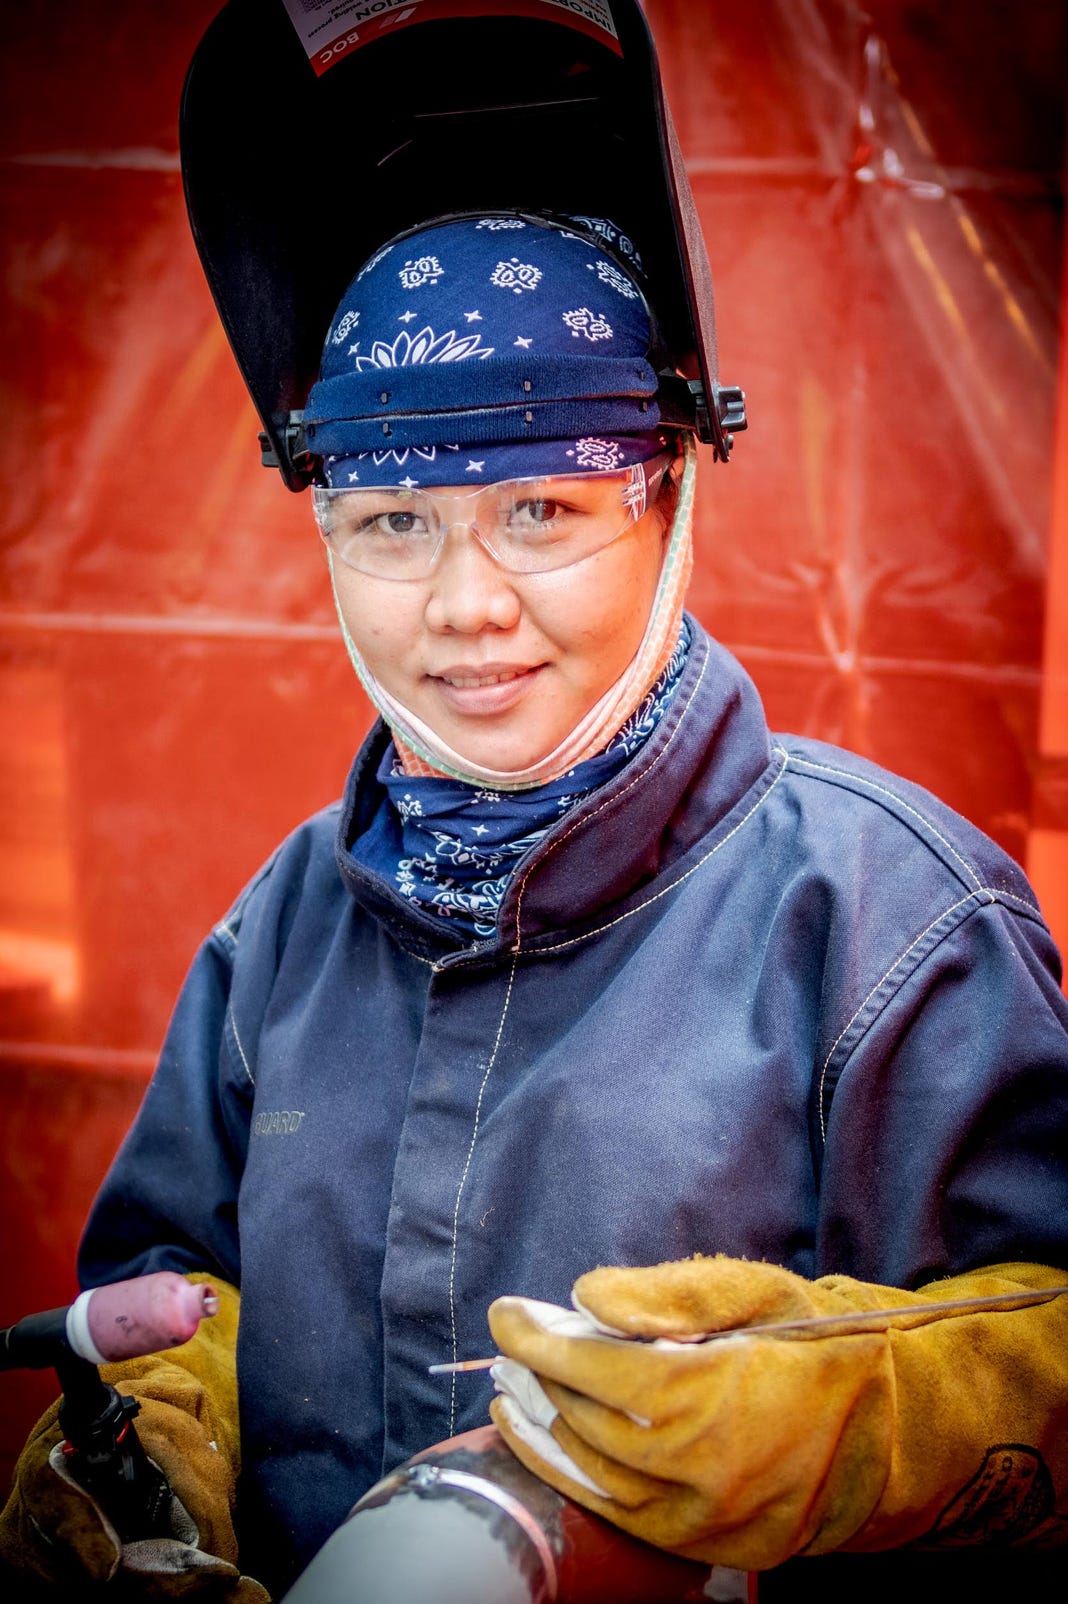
column 53, row 1532
column 746, row 1450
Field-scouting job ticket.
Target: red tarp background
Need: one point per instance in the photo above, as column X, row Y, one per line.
column 881, row 192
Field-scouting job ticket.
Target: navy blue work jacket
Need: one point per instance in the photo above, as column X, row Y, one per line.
column 754, row 996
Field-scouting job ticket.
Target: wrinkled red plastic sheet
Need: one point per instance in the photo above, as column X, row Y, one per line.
column 881, row 191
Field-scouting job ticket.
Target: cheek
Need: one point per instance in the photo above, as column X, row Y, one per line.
column 377, row 622
column 597, row 620
column 615, row 580
column 621, row 596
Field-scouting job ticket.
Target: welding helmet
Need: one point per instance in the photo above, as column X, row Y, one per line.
column 308, row 144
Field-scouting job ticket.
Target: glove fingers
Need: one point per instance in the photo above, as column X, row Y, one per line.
column 200, row 1476
column 197, row 1586
column 662, row 1513
column 628, row 1451
column 531, row 1417
column 157, row 1381
column 752, row 1452
column 615, row 1372
column 651, row 1445
column 555, row 1465
column 697, row 1296
column 659, row 1382
column 625, row 1485
column 159, row 1568
column 692, row 1296
column 732, row 1421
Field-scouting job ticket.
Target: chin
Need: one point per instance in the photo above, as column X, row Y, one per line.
column 500, row 753
column 500, row 758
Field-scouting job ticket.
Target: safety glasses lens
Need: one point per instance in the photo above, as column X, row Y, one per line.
column 527, row 525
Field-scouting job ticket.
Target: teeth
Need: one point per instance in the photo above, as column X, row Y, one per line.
column 482, row 679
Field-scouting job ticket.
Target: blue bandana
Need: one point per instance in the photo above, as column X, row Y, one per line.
column 487, row 349
column 450, row 848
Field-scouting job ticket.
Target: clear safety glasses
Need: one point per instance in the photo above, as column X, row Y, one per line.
column 529, row 526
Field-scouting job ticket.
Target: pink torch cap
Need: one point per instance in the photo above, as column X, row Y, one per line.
column 130, row 1318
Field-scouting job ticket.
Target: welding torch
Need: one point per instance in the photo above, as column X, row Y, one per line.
column 101, row 1447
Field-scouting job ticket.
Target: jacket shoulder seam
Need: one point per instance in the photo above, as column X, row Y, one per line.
column 232, row 1040
column 928, row 939
column 926, row 826
column 227, row 931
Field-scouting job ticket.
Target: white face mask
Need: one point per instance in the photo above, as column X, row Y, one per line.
column 423, row 752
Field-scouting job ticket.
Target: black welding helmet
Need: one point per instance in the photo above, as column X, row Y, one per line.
column 314, row 133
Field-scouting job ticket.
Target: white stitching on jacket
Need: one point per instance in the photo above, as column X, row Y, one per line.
column 500, row 1030
column 1009, row 896
column 860, row 779
column 237, row 1043
column 991, row 897
column 618, row 920
column 460, row 1192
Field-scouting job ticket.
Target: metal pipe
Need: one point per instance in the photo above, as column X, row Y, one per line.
column 466, row 1523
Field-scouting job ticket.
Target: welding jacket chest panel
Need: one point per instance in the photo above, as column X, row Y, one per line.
column 380, row 1130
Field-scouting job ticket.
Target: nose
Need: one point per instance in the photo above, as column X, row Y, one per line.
column 468, row 590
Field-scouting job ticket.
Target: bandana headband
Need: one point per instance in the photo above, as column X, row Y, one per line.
column 479, row 349
column 428, row 467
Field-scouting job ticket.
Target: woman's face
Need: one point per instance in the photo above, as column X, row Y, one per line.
column 502, row 666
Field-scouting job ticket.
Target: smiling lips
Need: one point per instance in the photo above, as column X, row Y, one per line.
column 487, row 688
column 491, row 674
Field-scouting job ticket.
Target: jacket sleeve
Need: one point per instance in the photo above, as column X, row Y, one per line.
column 942, row 1111
column 169, row 1201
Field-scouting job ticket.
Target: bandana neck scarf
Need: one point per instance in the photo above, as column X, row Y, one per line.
column 423, row 753
column 450, row 847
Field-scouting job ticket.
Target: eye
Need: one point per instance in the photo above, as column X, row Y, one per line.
column 397, row 523
column 390, row 524
column 538, row 510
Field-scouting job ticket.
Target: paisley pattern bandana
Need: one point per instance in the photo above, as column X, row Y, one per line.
column 450, row 848
column 484, row 349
